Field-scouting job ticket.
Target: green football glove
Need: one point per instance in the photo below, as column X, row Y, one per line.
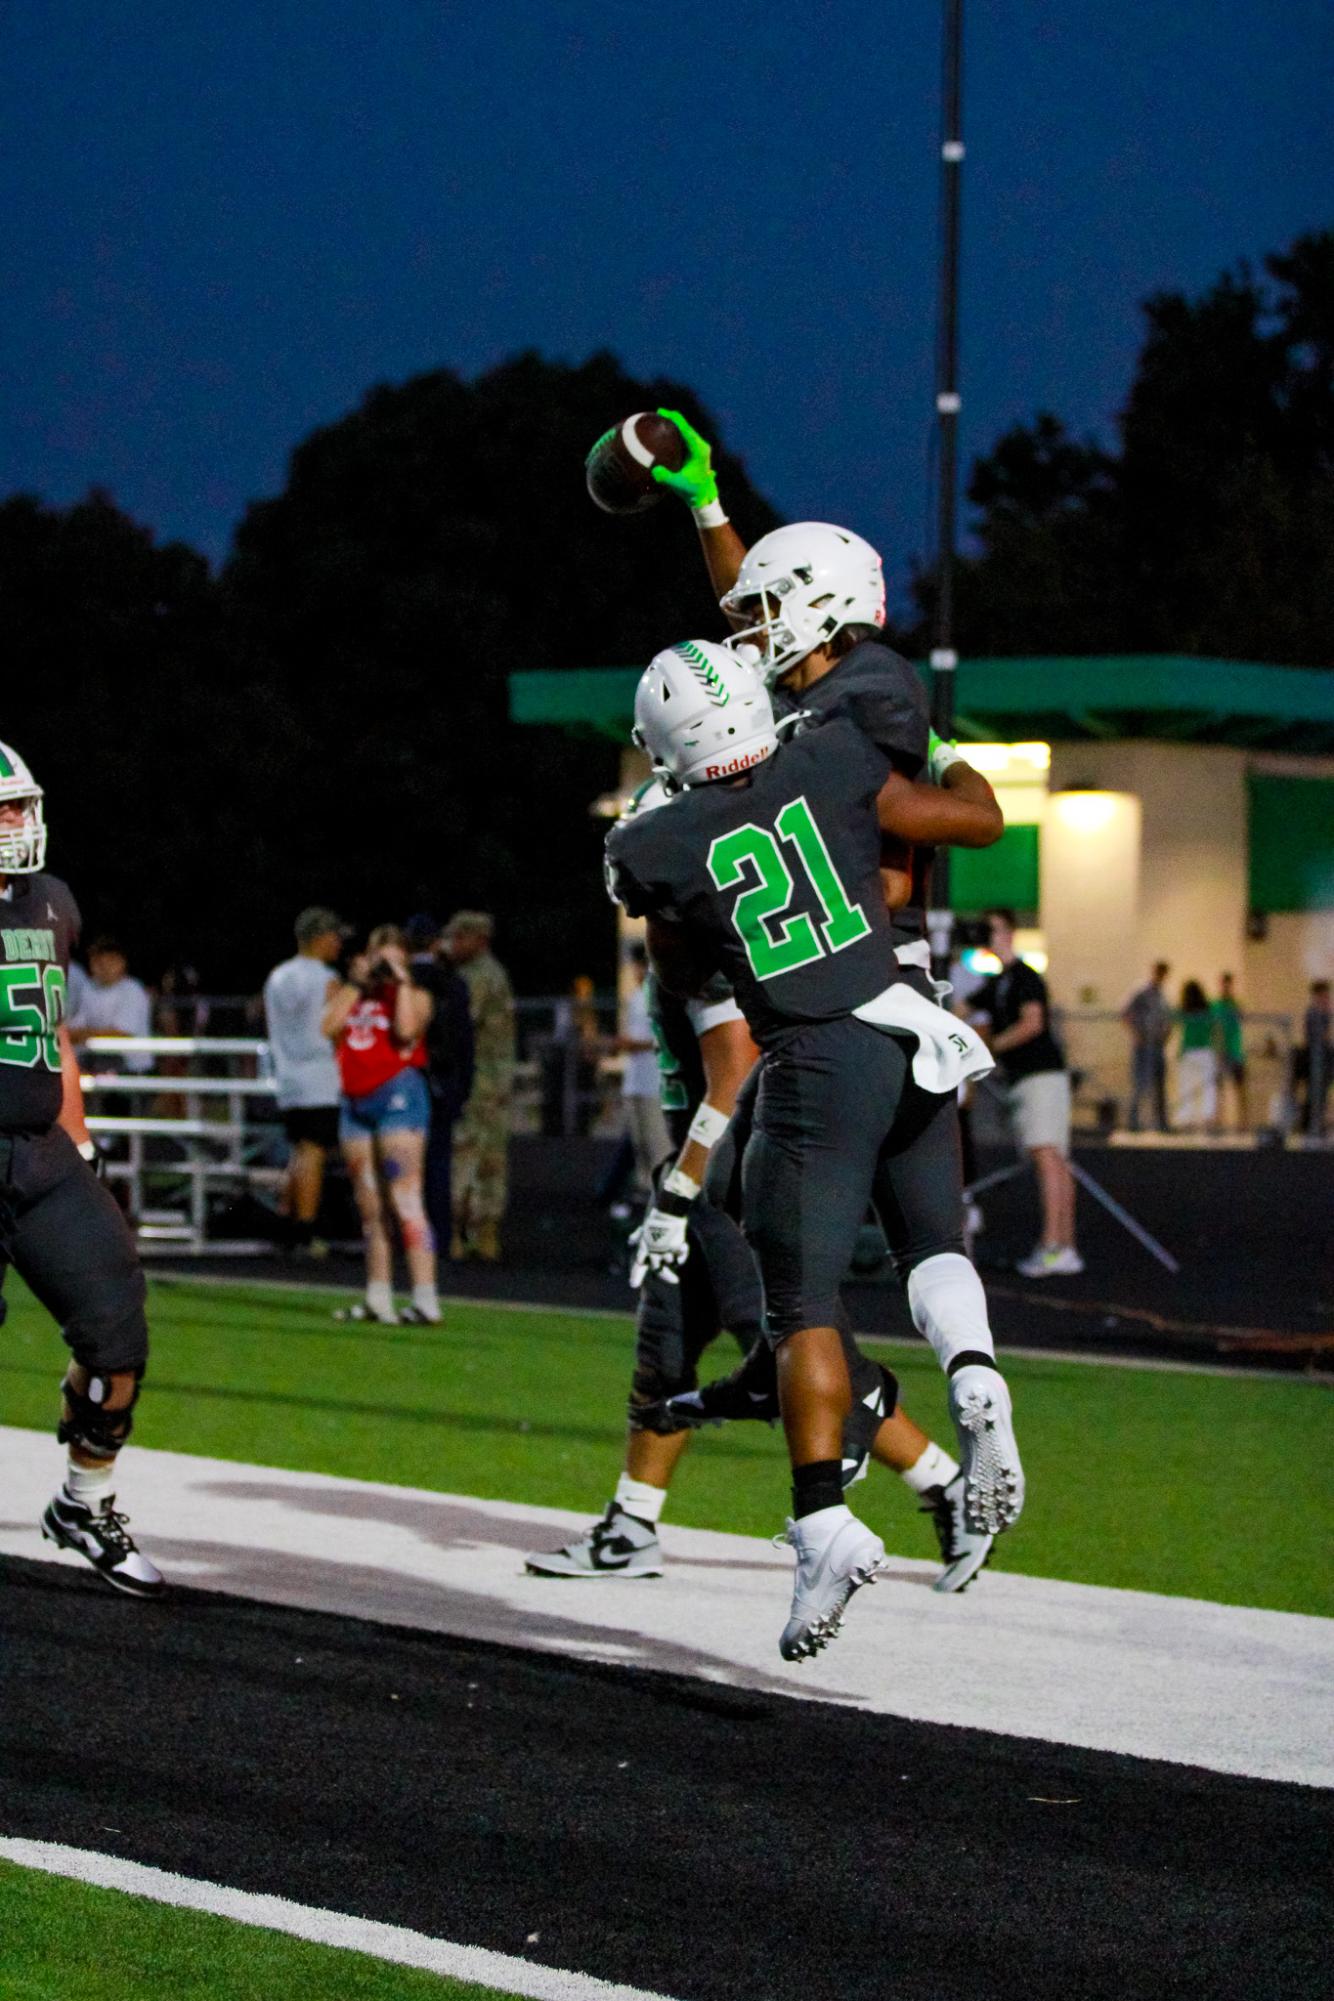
column 695, row 481
column 940, row 756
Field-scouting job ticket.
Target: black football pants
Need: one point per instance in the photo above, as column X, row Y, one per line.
column 840, row 1122
column 718, row 1288
column 61, row 1229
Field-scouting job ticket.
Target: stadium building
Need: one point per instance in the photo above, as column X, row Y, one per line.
column 1157, row 807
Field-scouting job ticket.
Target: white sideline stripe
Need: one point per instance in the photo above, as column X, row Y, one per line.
column 919, row 1348
column 1226, row 1687
column 275, row 1914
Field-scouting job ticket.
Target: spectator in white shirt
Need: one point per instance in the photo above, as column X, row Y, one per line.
column 305, row 1069
column 640, row 1091
column 112, row 1003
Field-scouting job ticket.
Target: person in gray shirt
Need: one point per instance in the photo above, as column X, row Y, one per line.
column 304, row 1068
column 1149, row 1018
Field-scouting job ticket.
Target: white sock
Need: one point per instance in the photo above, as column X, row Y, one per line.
column 380, row 1298
column 89, row 1484
column 426, row 1300
column 950, row 1308
column 639, row 1499
column 935, row 1468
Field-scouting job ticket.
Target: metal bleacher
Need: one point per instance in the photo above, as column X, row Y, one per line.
column 178, row 1140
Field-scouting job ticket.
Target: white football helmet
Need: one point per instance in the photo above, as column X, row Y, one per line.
column 23, row 848
column 702, row 714
column 799, row 586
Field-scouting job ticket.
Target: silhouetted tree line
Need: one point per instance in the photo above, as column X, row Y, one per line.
column 327, row 719
column 1211, row 529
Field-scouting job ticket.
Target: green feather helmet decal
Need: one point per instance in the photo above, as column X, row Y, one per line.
column 700, row 665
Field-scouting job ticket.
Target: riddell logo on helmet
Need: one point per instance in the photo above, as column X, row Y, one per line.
column 741, row 763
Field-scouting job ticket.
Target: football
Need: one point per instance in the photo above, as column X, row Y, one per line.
column 619, row 469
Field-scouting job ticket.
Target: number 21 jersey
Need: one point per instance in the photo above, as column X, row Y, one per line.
column 777, row 879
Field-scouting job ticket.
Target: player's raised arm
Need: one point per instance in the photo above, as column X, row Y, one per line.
column 960, row 810
column 697, row 484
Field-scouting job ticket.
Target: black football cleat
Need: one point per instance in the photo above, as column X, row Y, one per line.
column 749, row 1393
column 964, row 1550
column 102, row 1537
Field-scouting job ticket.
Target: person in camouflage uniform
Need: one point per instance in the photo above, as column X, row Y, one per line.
column 481, row 1138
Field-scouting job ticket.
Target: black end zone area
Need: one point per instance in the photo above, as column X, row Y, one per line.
column 701, row 1842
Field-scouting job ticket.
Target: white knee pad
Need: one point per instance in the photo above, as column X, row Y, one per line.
column 949, row 1307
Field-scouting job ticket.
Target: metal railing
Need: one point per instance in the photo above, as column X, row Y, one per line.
column 201, row 1126
column 176, row 1138
column 1098, row 1050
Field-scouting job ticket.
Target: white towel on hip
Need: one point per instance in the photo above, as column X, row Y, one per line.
column 949, row 1053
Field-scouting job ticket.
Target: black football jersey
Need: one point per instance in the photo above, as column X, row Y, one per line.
column 39, row 926
column 777, row 879
column 883, row 694
column 878, row 690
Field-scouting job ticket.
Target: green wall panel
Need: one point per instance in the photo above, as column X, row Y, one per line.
column 1006, row 874
column 1291, row 843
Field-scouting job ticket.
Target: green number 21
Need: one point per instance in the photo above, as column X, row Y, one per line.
column 793, row 942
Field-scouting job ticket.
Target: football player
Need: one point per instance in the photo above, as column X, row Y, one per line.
column 696, row 1275
column 809, row 599
column 60, row 1227
column 767, row 867
column 808, row 602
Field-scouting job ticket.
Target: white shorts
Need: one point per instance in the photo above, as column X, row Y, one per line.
column 1040, row 1110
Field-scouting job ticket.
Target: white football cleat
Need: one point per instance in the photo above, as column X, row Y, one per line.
column 993, row 1474
column 836, row 1555
column 620, row 1545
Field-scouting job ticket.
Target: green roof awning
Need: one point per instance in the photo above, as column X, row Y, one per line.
column 1170, row 697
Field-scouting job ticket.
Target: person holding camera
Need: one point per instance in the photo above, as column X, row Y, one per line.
column 377, row 1020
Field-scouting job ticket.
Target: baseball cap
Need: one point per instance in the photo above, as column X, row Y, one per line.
column 470, row 920
column 421, row 930
column 315, row 921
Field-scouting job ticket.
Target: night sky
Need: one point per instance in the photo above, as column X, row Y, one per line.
column 224, row 223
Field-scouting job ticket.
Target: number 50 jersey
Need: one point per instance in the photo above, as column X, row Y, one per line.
column 777, row 879
column 39, row 924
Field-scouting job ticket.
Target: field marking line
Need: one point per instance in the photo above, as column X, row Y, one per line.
column 1226, row 1688
column 1147, row 1362
column 498, row 1970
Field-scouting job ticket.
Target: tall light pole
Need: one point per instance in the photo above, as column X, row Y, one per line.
column 944, row 659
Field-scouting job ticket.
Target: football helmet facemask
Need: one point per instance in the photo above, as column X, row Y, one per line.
column 702, row 714
column 652, row 793
column 22, row 848
column 799, row 586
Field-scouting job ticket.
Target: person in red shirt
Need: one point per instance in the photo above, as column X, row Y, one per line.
column 377, row 1019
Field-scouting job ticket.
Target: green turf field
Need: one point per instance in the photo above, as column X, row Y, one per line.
column 1204, row 1485
column 59, row 1939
